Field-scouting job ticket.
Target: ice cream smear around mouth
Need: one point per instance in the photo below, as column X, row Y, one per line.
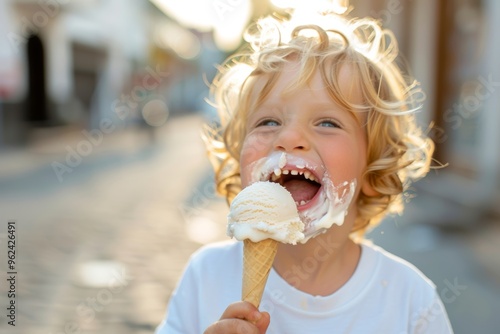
column 265, row 210
column 320, row 202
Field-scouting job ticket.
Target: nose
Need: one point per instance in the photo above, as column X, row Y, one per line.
column 292, row 137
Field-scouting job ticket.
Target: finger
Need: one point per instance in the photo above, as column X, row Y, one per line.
column 232, row 326
column 242, row 310
column 263, row 323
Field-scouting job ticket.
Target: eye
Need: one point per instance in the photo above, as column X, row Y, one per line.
column 268, row 122
column 329, row 123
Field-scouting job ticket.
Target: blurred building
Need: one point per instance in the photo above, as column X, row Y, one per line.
column 74, row 63
column 452, row 49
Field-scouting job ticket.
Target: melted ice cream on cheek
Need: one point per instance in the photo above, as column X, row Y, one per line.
column 331, row 204
column 331, row 208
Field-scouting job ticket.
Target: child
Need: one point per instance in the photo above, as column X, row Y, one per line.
column 324, row 91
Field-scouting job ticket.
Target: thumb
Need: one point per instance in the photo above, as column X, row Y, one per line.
column 263, row 323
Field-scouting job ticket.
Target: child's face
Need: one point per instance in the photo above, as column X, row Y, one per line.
column 322, row 140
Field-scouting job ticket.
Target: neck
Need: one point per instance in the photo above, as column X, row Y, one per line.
column 319, row 267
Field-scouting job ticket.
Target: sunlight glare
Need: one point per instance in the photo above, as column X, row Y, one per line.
column 226, row 18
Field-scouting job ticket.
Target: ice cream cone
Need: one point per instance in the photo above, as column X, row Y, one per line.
column 258, row 259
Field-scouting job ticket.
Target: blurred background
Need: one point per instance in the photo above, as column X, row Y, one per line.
column 103, row 171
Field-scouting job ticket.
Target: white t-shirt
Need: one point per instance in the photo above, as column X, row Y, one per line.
column 385, row 295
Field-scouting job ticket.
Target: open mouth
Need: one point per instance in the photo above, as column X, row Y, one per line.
column 320, row 203
column 302, row 183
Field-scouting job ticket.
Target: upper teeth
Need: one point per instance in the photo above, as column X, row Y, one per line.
column 278, row 171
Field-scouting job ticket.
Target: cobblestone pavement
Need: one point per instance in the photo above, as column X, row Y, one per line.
column 101, row 251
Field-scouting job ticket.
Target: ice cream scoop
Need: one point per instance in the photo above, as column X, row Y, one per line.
column 265, row 210
column 262, row 215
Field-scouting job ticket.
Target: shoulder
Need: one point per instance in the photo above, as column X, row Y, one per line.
column 411, row 290
column 214, row 276
column 205, row 289
column 398, row 279
column 225, row 253
column 396, row 267
column 204, row 268
column 223, row 249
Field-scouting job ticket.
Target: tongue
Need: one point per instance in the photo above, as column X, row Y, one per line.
column 301, row 190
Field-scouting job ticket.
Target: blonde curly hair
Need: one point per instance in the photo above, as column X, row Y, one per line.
column 398, row 151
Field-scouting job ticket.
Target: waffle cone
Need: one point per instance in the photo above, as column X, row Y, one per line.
column 258, row 259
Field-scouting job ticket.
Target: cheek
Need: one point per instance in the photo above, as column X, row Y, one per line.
column 245, row 160
column 346, row 162
column 254, row 148
column 258, row 141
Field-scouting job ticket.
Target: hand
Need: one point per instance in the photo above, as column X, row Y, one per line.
column 241, row 318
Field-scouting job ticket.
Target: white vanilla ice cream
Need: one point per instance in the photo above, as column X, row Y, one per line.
column 265, row 210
